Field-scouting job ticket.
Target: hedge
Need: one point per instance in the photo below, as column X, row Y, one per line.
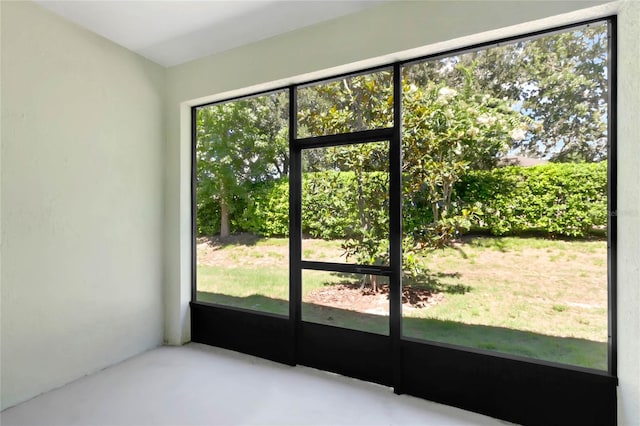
column 557, row 199
column 329, row 204
column 564, row 199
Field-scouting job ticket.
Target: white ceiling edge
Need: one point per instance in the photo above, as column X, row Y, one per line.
column 174, row 32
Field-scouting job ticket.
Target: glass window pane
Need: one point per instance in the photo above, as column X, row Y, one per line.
column 505, row 199
column 349, row 104
column 345, row 204
column 242, row 203
column 355, row 301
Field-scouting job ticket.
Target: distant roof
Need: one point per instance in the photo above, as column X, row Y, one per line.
column 517, row 160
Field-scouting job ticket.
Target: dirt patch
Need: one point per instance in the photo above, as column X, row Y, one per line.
column 241, row 250
column 354, row 298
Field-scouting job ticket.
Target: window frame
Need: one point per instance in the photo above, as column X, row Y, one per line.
column 404, row 348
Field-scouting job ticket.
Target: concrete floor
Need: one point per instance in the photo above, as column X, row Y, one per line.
column 200, row 385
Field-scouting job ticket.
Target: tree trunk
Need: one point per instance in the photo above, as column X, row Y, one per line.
column 435, row 210
column 374, row 283
column 363, row 219
column 224, row 218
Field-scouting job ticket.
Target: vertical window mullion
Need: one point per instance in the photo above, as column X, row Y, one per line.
column 395, row 228
column 194, row 203
column 295, row 216
column 612, row 184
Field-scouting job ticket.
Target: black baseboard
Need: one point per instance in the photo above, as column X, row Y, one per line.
column 523, row 392
column 357, row 354
column 501, row 386
column 263, row 335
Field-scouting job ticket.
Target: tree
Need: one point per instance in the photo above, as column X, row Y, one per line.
column 354, row 103
column 559, row 81
column 564, row 88
column 445, row 133
column 238, row 143
column 367, row 241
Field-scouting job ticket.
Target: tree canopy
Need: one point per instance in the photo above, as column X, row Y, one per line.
column 559, row 81
column 239, row 143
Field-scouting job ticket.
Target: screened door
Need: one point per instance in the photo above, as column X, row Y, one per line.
column 343, row 268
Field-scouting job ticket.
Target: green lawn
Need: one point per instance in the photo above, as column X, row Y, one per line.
column 539, row 298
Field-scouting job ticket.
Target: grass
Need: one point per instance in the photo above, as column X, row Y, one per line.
column 545, row 299
column 525, row 284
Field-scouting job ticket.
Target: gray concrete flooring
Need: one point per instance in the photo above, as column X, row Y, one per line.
column 200, row 385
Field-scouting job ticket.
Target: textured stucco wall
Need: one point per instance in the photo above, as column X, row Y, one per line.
column 81, row 182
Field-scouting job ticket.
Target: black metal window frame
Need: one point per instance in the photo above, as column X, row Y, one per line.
column 285, row 346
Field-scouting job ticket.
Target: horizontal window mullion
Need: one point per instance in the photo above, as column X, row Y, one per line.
column 344, row 138
column 347, row 268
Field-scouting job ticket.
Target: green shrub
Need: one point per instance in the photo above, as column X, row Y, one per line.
column 329, row 205
column 267, row 211
column 564, row 199
column 208, row 222
column 555, row 199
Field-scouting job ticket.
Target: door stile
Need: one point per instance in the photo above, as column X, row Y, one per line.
column 295, row 224
column 395, row 231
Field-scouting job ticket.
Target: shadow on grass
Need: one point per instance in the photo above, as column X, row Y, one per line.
column 433, row 282
column 428, row 283
column 563, row 350
column 239, row 239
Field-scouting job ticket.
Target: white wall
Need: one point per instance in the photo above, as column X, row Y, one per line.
column 82, row 221
column 629, row 213
column 373, row 37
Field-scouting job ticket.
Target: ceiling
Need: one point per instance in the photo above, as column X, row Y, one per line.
column 174, row 32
